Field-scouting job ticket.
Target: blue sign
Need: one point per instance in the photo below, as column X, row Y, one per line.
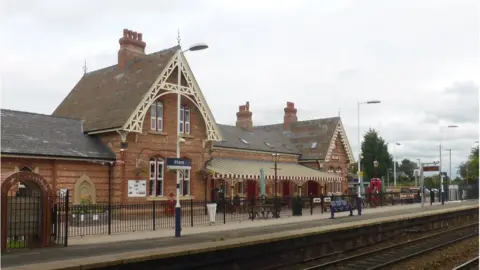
column 179, row 164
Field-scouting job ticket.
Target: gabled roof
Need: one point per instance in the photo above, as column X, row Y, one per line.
column 258, row 139
column 32, row 134
column 107, row 97
column 304, row 134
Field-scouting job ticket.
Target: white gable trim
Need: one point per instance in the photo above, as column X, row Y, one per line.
column 160, row 87
column 339, row 130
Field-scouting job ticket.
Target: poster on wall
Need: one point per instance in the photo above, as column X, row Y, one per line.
column 137, row 188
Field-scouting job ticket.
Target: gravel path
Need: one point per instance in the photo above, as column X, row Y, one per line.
column 445, row 258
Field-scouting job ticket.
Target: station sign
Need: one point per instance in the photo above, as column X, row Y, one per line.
column 317, row 200
column 179, row 164
column 431, row 168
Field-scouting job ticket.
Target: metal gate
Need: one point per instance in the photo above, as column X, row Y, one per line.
column 36, row 220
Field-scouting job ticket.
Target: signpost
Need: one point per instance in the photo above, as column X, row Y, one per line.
column 426, row 167
column 179, row 164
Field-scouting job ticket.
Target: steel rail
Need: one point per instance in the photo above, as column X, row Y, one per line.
column 471, row 264
column 385, row 256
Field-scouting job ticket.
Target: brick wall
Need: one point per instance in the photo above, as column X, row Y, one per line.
column 141, row 147
column 342, row 162
column 62, row 173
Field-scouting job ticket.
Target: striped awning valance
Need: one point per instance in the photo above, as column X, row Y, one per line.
column 250, row 170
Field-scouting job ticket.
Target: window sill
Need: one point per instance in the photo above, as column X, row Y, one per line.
column 157, row 132
column 167, row 198
column 187, row 136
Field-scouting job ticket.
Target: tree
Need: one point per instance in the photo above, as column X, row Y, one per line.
column 374, row 148
column 408, row 167
column 469, row 169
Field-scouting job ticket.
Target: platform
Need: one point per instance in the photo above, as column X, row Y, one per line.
column 210, row 238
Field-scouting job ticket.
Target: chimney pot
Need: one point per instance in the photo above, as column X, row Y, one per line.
column 290, row 116
column 131, row 46
column 244, row 117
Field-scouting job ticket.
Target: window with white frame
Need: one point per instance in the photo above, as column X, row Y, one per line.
column 332, row 188
column 156, row 116
column 156, row 177
column 240, row 188
column 184, row 176
column 339, row 187
column 184, row 120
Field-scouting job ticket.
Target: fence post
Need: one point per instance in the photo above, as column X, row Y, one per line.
column 154, row 210
column 224, row 210
column 321, row 202
column 311, row 205
column 191, row 212
column 67, row 204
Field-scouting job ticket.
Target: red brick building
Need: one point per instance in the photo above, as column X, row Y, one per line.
column 119, row 124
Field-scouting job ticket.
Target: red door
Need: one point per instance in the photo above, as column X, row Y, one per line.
column 251, row 189
column 286, row 188
column 312, row 188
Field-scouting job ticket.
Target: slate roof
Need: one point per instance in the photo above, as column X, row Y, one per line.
column 25, row 133
column 106, row 98
column 304, row 133
column 258, row 139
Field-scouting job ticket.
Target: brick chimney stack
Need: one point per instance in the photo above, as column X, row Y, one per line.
column 244, row 117
column 290, row 116
column 131, row 47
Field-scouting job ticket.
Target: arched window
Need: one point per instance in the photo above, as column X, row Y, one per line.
column 26, row 169
column 330, row 170
column 156, row 116
column 184, row 176
column 338, row 170
column 156, row 176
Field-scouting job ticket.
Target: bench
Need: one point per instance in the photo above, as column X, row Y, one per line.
column 264, row 209
column 338, row 206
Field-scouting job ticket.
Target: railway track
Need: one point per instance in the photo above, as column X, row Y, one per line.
column 383, row 258
column 472, row 264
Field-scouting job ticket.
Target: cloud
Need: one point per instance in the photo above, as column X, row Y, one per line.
column 420, row 58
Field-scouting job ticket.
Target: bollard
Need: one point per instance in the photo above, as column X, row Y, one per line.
column 332, row 212
column 350, row 209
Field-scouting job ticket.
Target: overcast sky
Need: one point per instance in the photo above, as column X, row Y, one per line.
column 419, row 57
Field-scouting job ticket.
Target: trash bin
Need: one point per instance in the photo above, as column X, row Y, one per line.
column 212, row 211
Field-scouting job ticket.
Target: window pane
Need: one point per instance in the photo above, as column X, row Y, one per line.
column 187, row 115
column 182, row 111
column 160, row 123
column 153, row 110
column 159, row 188
column 159, row 109
column 181, row 127
column 151, row 188
column 160, row 170
column 152, row 170
column 153, row 125
column 187, row 127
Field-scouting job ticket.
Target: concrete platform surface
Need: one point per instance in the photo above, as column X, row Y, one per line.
column 44, row 258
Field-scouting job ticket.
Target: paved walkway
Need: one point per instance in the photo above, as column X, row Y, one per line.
column 102, row 245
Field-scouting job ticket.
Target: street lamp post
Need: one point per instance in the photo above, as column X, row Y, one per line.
column 419, row 164
column 375, row 169
column 360, row 177
column 275, row 158
column 395, row 164
column 196, row 47
column 440, row 164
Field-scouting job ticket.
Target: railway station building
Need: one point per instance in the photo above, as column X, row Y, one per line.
column 114, row 136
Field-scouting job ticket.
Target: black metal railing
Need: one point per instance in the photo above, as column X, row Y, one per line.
column 69, row 219
column 33, row 219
